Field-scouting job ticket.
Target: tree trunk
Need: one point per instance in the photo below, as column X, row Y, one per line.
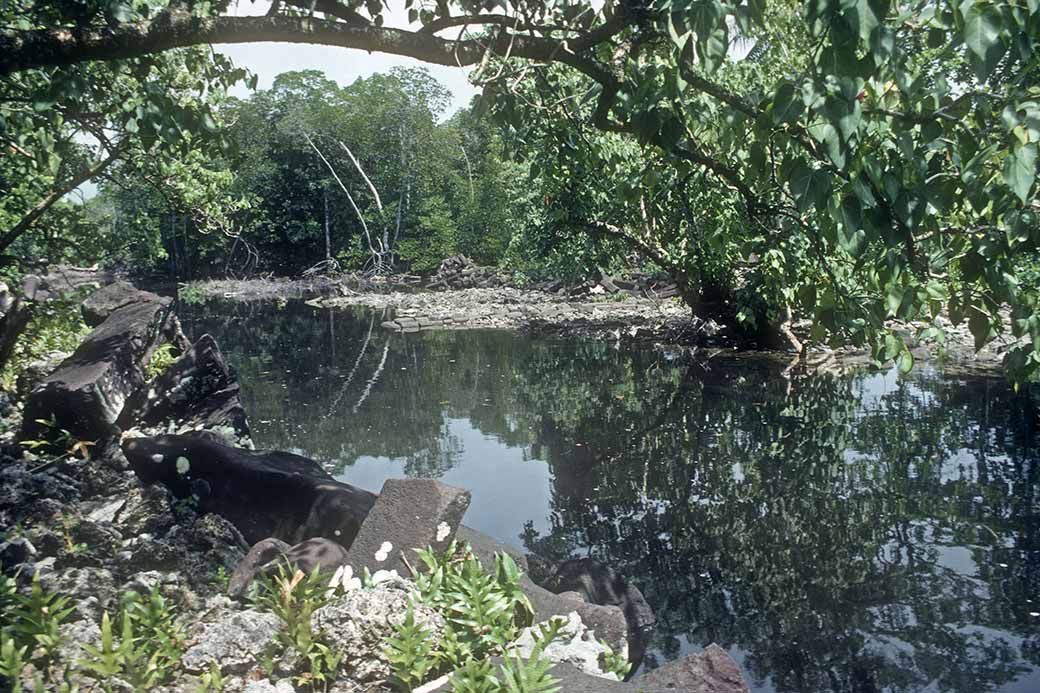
column 328, row 247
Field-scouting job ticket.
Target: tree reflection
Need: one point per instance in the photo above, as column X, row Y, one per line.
column 855, row 532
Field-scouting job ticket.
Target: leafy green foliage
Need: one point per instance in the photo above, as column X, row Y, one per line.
column 35, row 622
column 56, row 325
column 162, row 358
column 516, row 674
column 147, row 649
column 483, row 612
column 294, row 597
column 409, row 652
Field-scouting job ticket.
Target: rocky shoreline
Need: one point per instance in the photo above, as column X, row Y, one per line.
column 623, row 317
column 141, row 503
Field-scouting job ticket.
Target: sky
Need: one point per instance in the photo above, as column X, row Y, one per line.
column 344, row 65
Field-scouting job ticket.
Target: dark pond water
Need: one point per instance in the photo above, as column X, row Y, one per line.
column 851, row 533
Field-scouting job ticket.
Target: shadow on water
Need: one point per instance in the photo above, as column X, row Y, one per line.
column 850, row 533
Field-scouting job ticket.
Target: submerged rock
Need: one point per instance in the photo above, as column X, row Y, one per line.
column 710, row 671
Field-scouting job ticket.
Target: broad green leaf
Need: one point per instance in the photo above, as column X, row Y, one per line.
column 1020, row 170
column 982, row 30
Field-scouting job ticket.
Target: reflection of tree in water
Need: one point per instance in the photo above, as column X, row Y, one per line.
column 815, row 536
column 842, row 539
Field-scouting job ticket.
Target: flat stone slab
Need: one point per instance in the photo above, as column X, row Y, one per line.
column 264, row 494
column 198, row 391
column 87, row 392
column 102, row 303
column 710, row 671
column 409, row 514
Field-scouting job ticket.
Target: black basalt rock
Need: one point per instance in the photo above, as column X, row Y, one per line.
column 264, row 494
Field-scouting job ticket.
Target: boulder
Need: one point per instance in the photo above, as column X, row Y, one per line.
column 90, row 590
column 199, row 548
column 608, row 622
column 485, row 548
column 269, row 556
column 356, row 625
column 264, row 494
column 600, row 584
column 102, row 303
column 575, row 644
column 199, row 391
column 408, row 514
column 86, row 393
column 260, row 554
column 710, row 671
column 235, row 642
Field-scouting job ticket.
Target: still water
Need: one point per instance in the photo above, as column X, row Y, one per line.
column 852, row 533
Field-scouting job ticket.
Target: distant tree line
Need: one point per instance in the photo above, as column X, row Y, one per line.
column 324, row 173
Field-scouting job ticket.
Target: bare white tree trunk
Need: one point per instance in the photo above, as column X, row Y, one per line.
column 361, row 217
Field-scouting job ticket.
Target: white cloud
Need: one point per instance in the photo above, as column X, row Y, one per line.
column 344, row 65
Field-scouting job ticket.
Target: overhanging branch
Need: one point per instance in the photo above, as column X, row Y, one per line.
column 21, row 50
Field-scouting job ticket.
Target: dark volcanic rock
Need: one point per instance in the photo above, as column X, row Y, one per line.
column 103, row 302
column 261, row 554
column 600, row 584
column 607, row 621
column 198, row 391
column 710, row 671
column 485, row 548
column 86, row 393
column 264, row 494
column 409, row 514
column 318, row 553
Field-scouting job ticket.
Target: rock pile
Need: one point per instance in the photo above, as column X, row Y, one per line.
column 639, row 285
column 177, row 513
column 459, row 272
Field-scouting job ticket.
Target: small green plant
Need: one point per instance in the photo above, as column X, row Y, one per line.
column 13, row 659
column 212, row 681
column 192, row 294
column 56, row 438
column 615, row 662
column 294, row 597
column 409, row 652
column 483, row 613
column 516, row 674
column 148, row 649
column 162, row 358
column 35, row 622
column 221, row 578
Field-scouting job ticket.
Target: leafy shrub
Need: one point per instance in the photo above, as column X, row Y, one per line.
column 294, row 597
column 56, row 325
column 191, row 294
column 483, row 614
column 162, row 358
column 148, row 649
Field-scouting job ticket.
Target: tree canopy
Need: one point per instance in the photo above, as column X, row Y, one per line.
column 854, row 162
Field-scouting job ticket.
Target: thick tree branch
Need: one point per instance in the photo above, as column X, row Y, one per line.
column 22, row 50
column 57, row 193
